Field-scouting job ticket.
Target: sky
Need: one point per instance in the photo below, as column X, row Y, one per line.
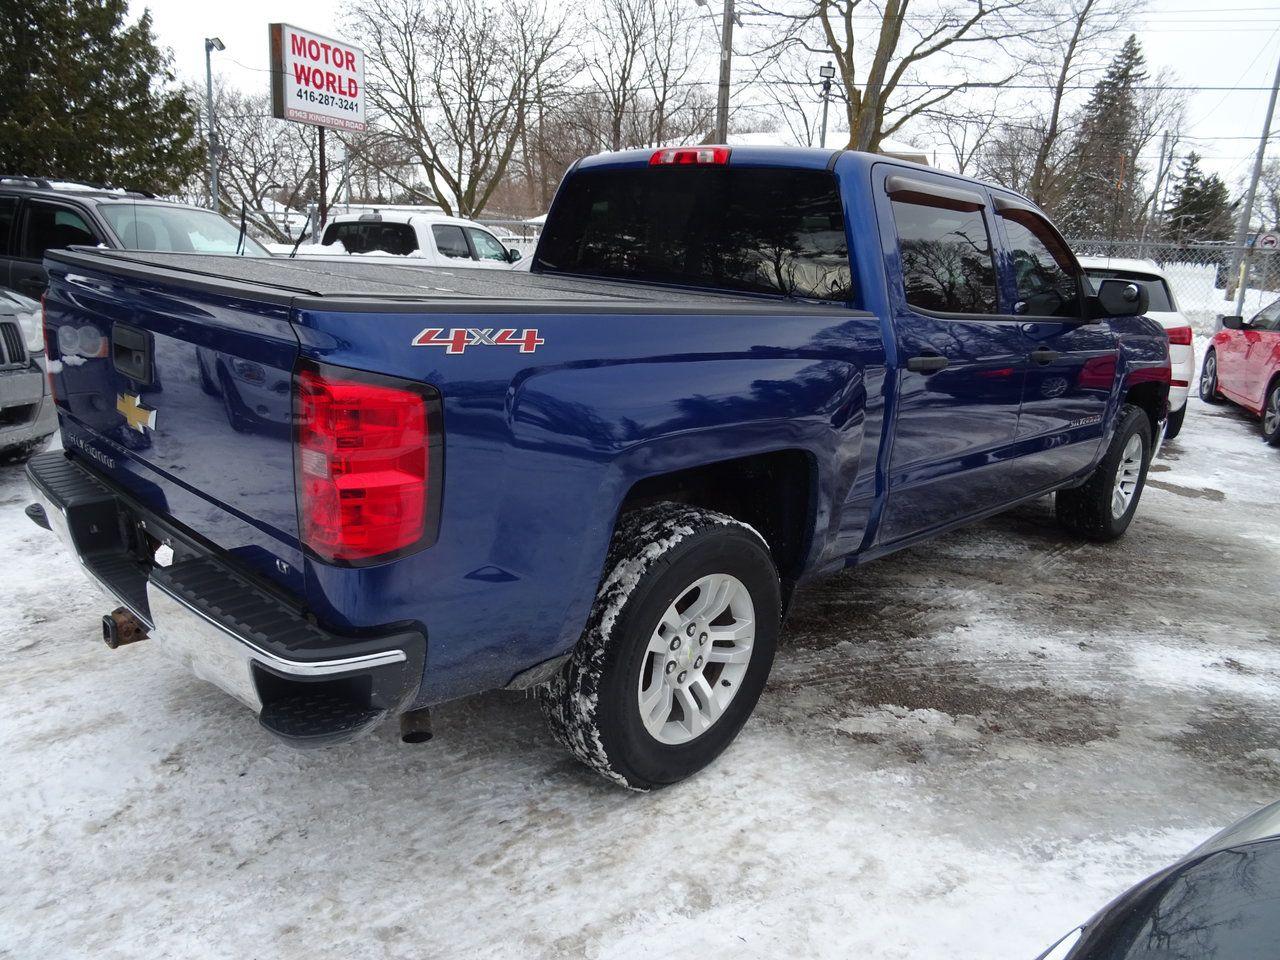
column 1228, row 47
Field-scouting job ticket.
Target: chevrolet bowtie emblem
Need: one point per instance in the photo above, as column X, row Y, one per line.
column 135, row 414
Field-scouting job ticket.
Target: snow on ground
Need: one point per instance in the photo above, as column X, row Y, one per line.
column 964, row 750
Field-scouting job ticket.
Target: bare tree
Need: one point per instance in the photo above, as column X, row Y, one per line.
column 966, row 132
column 885, row 92
column 1071, row 47
column 452, row 84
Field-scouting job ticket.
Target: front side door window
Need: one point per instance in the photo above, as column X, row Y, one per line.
column 51, row 226
column 487, row 246
column 1046, row 275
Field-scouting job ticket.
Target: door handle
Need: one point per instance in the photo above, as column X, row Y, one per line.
column 1043, row 355
column 927, row 363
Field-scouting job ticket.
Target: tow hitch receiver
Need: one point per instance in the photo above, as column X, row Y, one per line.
column 120, row 626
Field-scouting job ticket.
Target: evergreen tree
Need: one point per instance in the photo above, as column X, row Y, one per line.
column 88, row 96
column 1103, row 193
column 1201, row 207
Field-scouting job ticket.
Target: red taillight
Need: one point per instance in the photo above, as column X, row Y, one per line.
column 683, row 155
column 1179, row 336
column 366, row 464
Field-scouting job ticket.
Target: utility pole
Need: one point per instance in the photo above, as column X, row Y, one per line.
column 211, row 44
column 827, row 73
column 1246, row 214
column 324, row 183
column 726, row 62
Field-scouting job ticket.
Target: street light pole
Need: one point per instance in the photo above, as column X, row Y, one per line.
column 211, row 44
column 1247, row 214
column 827, row 73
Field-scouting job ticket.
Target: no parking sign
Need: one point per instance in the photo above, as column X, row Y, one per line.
column 1269, row 241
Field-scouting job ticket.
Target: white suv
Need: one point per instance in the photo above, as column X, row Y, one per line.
column 427, row 239
column 1164, row 310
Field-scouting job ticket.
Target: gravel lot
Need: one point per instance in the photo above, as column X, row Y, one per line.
column 964, row 750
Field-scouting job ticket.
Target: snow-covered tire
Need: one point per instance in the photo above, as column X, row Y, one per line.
column 1092, row 510
column 659, row 553
column 1209, row 378
column 1176, row 419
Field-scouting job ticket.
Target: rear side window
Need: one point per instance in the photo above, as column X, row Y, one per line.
column 8, row 209
column 1157, row 289
column 757, row 230
column 450, row 241
column 946, row 257
column 52, row 227
column 372, row 236
column 1044, row 270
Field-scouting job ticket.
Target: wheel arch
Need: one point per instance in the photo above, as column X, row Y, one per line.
column 775, row 493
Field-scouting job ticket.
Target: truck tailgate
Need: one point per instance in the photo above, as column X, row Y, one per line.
column 182, row 396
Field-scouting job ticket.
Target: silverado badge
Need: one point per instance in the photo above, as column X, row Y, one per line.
column 135, row 414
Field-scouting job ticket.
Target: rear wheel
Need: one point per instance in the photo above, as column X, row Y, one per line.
column 1103, row 507
column 1174, row 425
column 676, row 650
column 1209, row 379
column 1271, row 414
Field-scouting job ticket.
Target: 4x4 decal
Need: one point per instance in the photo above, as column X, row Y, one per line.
column 458, row 339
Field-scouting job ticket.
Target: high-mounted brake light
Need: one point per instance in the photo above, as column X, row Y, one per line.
column 1179, row 336
column 367, row 464
column 683, row 155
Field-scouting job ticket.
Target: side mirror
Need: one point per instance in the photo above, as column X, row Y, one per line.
column 513, row 255
column 1233, row 323
column 1122, row 298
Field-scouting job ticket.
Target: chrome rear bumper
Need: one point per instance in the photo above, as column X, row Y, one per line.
column 227, row 628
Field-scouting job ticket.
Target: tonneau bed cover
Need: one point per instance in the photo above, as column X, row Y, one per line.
column 353, row 284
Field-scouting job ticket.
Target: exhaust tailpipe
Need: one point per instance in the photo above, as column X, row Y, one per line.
column 120, row 626
column 415, row 726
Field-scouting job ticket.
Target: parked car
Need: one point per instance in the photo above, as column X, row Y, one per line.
column 38, row 215
column 1242, row 364
column 1220, row 901
column 605, row 477
column 423, row 239
column 27, row 417
column 1164, row 310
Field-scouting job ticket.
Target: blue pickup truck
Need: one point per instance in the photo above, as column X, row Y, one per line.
column 343, row 491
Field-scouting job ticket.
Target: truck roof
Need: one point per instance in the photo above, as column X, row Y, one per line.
column 353, row 284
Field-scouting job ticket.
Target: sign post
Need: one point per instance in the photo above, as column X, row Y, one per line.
column 320, row 81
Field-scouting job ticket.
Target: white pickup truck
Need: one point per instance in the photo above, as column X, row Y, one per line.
column 428, row 239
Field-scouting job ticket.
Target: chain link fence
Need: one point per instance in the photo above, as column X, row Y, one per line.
column 521, row 235
column 1201, row 275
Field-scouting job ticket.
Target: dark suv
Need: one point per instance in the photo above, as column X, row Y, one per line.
column 38, row 215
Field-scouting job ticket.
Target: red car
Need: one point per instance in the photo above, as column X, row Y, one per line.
column 1243, row 365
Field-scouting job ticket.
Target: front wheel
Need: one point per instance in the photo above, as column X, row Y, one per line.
column 1103, row 507
column 1209, row 379
column 676, row 650
column 1271, row 415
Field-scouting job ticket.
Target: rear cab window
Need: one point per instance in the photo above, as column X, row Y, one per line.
column 372, row 236
column 948, row 263
column 759, row 230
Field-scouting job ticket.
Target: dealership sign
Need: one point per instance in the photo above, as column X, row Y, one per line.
column 316, row 79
